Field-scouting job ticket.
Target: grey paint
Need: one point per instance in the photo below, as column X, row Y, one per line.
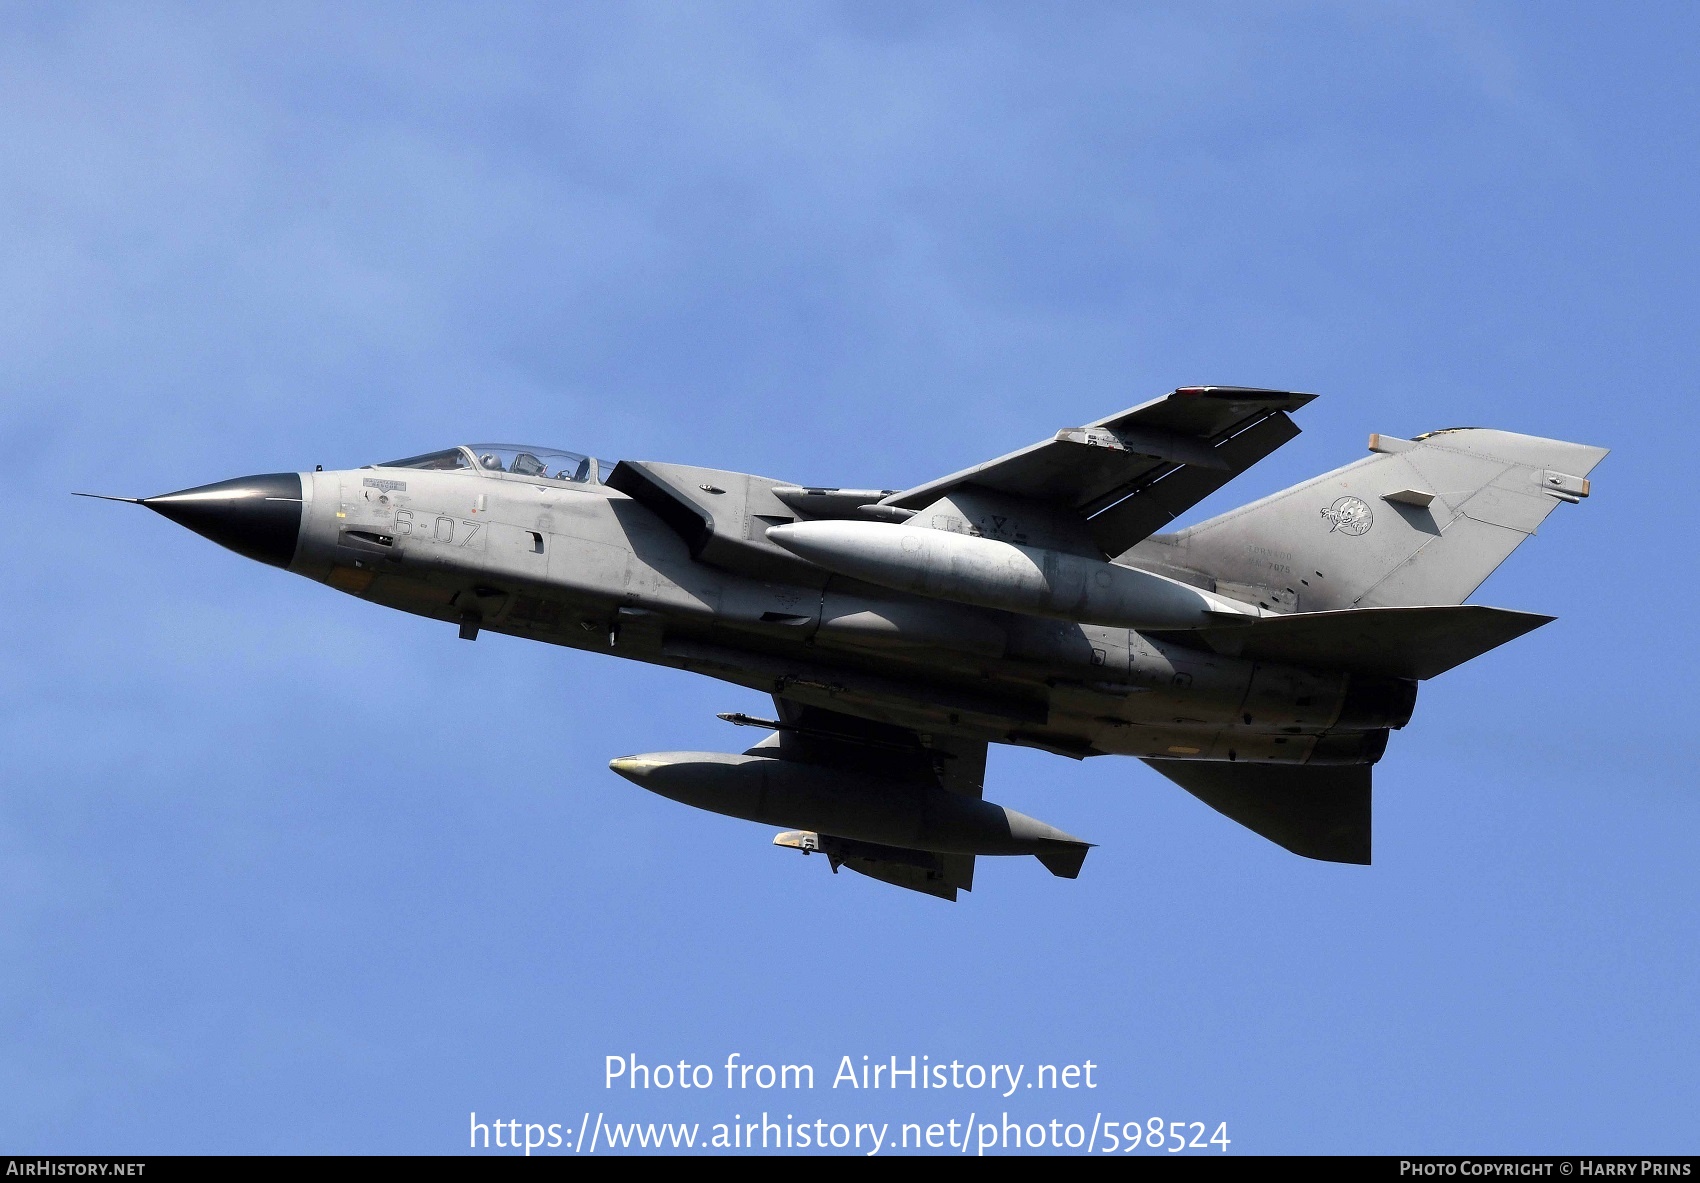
column 840, row 801
column 947, row 564
column 1489, row 491
column 1251, row 658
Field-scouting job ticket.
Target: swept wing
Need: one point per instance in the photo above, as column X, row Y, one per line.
column 1131, row 473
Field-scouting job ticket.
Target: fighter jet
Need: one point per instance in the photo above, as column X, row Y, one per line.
column 1259, row 659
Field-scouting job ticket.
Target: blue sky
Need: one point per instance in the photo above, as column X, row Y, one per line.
column 280, row 870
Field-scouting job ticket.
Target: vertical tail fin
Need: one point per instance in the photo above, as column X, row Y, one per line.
column 1422, row 521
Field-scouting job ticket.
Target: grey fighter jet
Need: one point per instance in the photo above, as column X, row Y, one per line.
column 1259, row 659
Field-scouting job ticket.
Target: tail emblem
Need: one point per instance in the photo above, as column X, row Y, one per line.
column 1349, row 515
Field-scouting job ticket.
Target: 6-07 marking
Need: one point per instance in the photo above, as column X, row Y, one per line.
column 442, row 529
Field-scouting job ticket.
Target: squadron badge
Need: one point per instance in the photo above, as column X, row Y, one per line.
column 1349, row 515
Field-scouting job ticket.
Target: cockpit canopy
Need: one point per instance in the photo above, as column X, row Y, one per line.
column 521, row 460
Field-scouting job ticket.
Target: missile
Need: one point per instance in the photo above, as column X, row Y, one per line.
column 847, row 804
column 992, row 574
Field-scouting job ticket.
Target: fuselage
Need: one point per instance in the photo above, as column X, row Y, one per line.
column 579, row 563
column 1257, row 659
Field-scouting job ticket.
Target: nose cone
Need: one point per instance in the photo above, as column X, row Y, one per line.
column 802, row 540
column 256, row 516
column 634, row 768
column 648, row 771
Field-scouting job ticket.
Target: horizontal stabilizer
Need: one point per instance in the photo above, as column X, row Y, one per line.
column 1393, row 642
column 1319, row 811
